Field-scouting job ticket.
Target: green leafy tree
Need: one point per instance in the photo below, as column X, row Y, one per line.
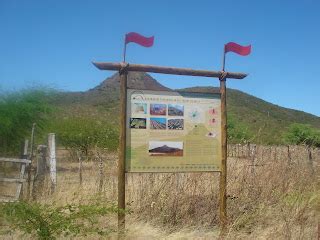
column 84, row 133
column 18, row 111
column 237, row 132
column 302, row 134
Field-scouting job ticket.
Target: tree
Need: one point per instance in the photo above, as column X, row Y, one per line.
column 18, row 111
column 83, row 136
column 302, row 134
column 84, row 133
column 237, row 132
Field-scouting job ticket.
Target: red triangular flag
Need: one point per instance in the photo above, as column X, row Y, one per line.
column 236, row 48
column 139, row 39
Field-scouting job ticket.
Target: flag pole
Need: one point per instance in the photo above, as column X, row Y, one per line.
column 224, row 59
column 125, row 48
column 124, row 51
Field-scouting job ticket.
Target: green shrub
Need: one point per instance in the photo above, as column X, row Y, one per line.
column 49, row 222
column 80, row 133
column 302, row 134
column 237, row 132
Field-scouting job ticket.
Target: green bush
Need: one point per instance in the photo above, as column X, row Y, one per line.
column 302, row 134
column 80, row 133
column 237, row 132
column 49, row 222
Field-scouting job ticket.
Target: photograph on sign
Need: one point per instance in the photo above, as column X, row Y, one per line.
column 157, row 123
column 139, row 108
column 171, row 131
column 175, row 124
column 158, row 109
column 165, row 148
column 175, row 110
column 138, row 123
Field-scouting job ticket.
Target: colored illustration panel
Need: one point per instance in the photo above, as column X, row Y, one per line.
column 173, row 132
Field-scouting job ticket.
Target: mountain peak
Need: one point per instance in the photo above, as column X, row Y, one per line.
column 136, row 80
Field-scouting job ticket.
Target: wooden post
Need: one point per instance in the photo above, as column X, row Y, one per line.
column 288, row 154
column 101, row 168
column 24, row 155
column 223, row 173
column 32, row 140
column 248, row 150
column 122, row 151
column 52, row 160
column 252, row 155
column 38, row 181
column 30, row 158
column 41, row 161
column 310, row 161
column 79, row 155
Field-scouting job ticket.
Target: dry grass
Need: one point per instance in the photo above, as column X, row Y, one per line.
column 270, row 200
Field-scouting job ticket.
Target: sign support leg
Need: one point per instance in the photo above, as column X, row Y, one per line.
column 122, row 151
column 223, row 173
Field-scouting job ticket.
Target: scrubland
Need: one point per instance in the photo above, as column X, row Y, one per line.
column 269, row 197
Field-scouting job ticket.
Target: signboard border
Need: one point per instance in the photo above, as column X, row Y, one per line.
column 212, row 92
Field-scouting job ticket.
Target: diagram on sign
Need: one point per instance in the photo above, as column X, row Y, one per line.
column 196, row 115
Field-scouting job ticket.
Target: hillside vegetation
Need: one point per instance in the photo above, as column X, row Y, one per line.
column 74, row 116
column 259, row 121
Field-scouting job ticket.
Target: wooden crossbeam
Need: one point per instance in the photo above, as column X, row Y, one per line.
column 12, row 180
column 166, row 70
column 15, row 160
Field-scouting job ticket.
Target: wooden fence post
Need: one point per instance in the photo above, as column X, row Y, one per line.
column 310, row 161
column 248, row 149
column 52, row 161
column 39, row 178
column 79, row 155
column 253, row 158
column 30, row 158
column 101, row 172
column 24, row 155
column 288, row 154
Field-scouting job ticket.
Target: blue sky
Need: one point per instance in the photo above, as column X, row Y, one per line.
column 52, row 43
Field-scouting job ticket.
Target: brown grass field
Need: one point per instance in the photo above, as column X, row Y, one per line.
column 268, row 198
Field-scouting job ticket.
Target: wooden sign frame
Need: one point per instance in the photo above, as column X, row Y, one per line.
column 173, row 131
column 123, row 69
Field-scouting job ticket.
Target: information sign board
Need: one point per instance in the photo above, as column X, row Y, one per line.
column 170, row 131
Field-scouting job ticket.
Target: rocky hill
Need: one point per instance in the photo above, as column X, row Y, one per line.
column 266, row 122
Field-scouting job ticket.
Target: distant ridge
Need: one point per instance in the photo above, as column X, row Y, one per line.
column 107, row 91
column 265, row 120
